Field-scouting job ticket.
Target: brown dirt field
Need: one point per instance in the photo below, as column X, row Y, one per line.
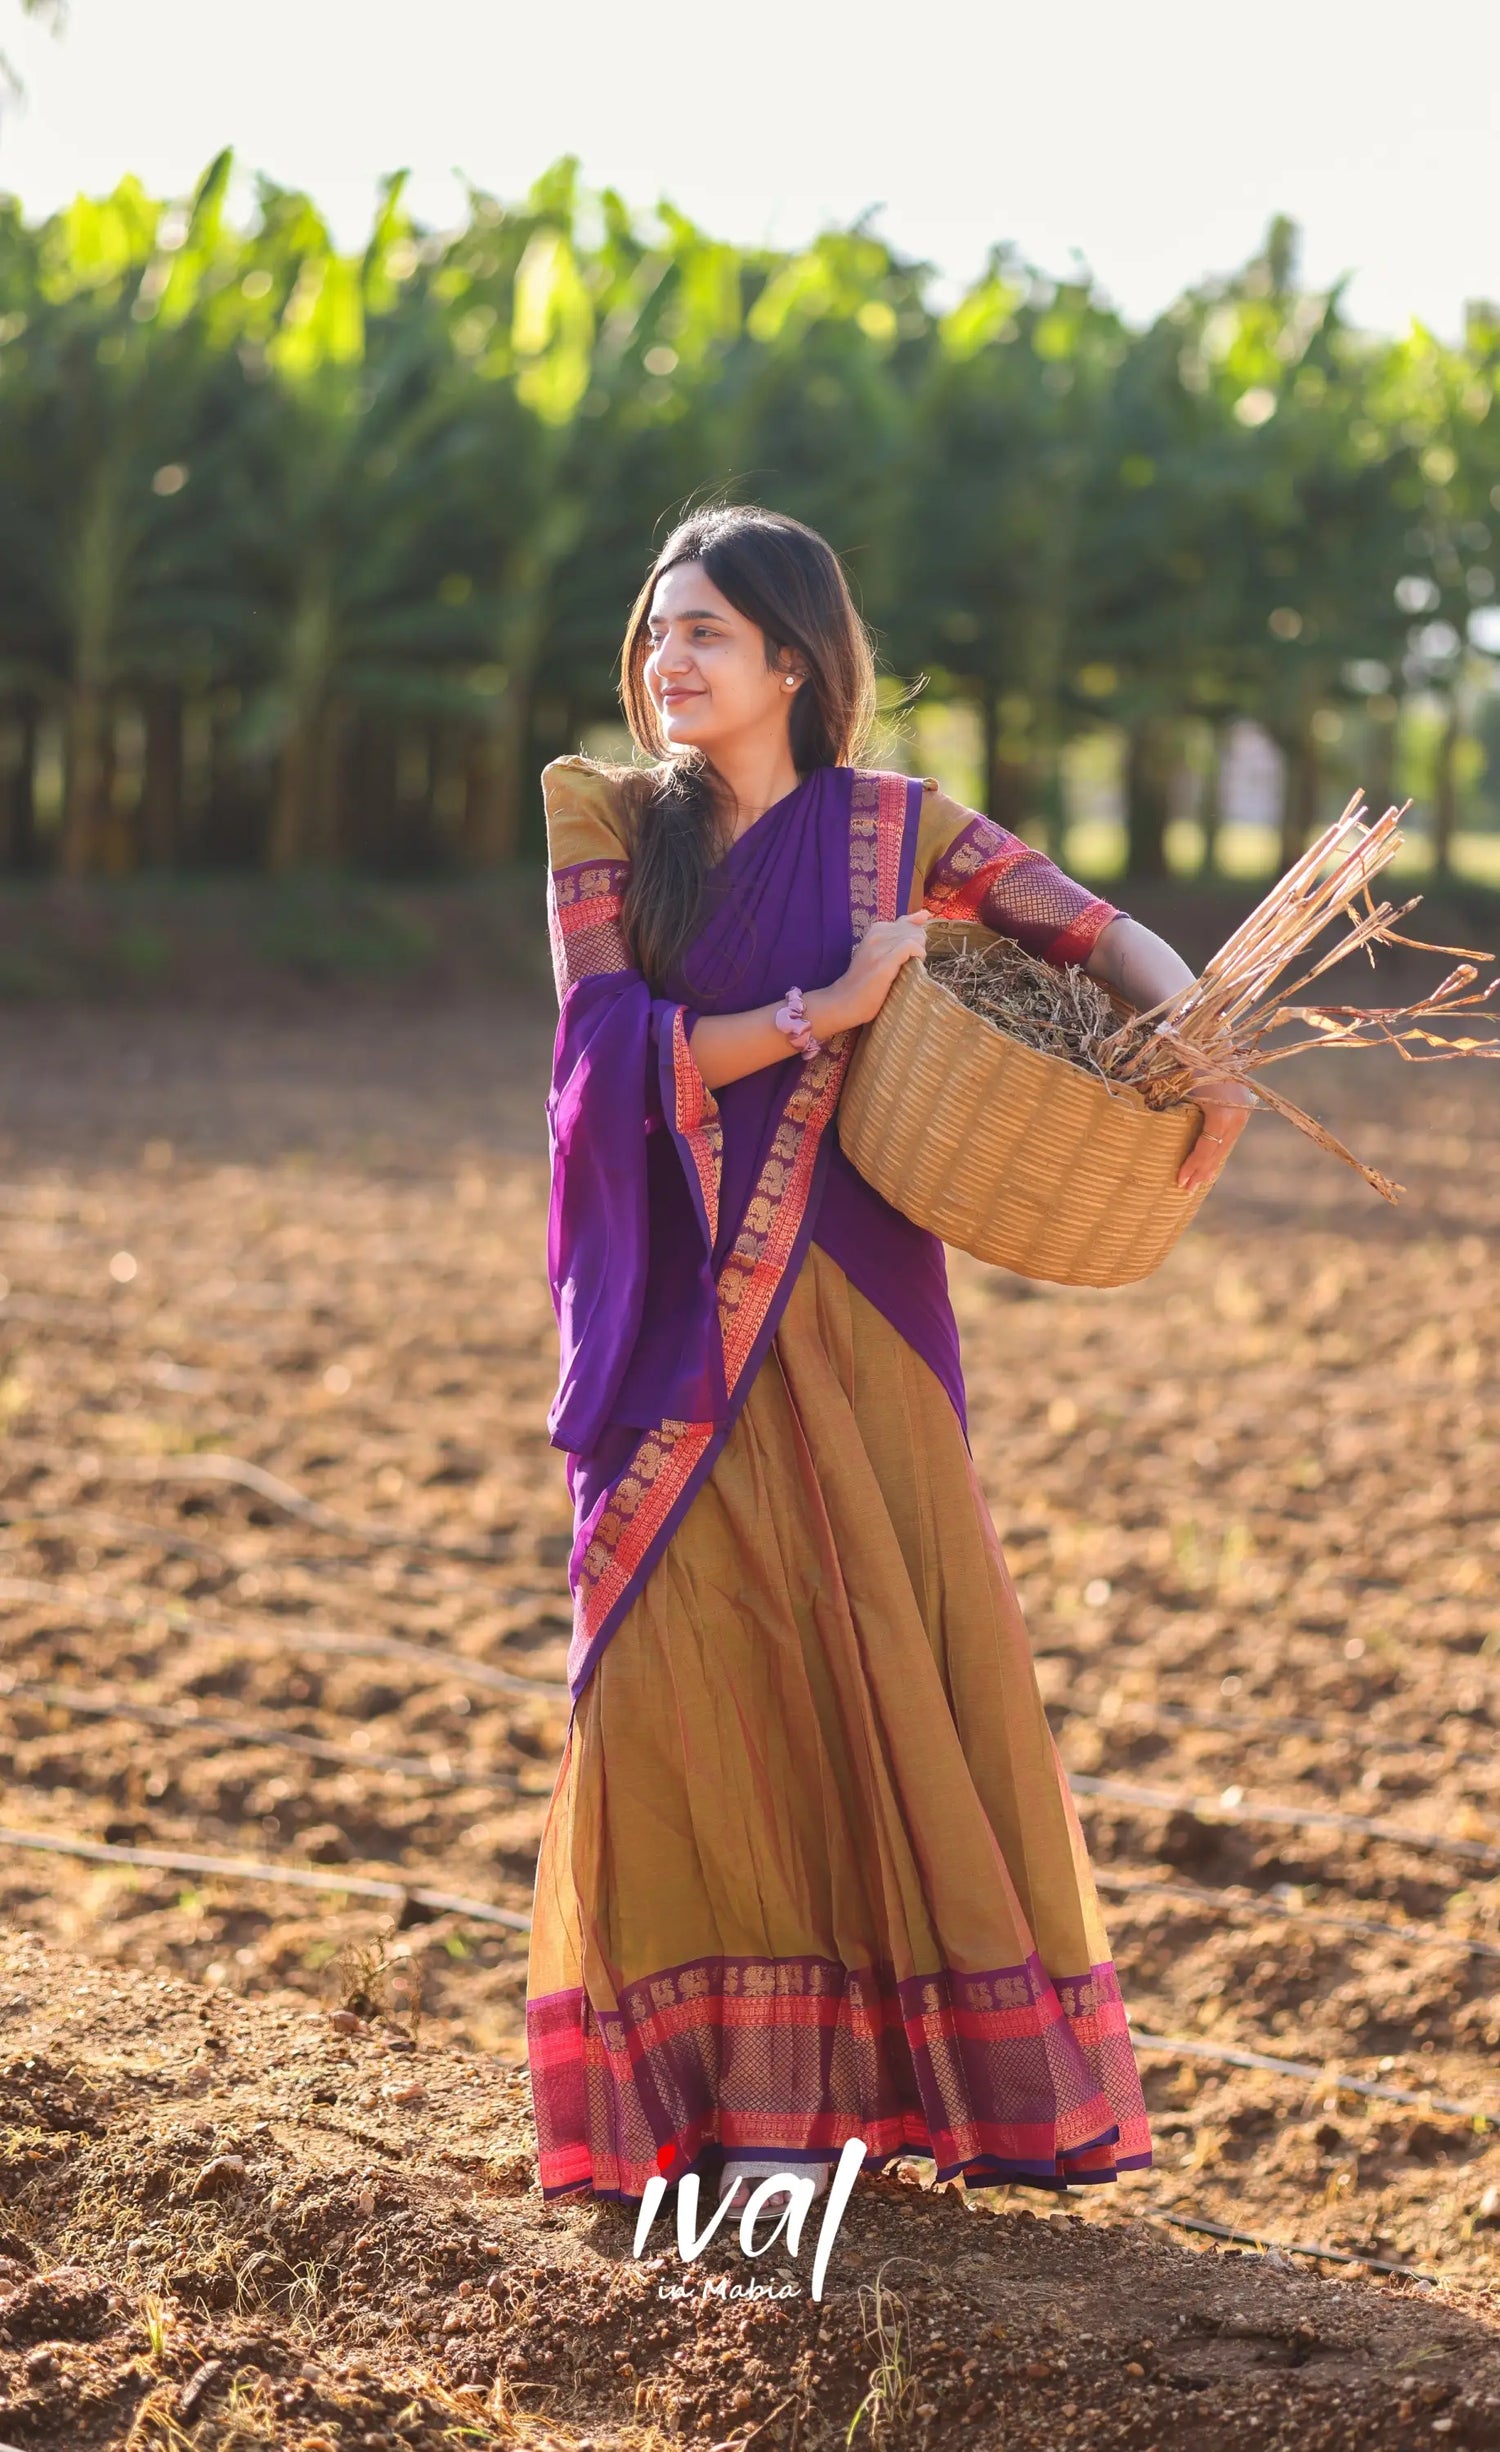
column 1250, row 1510
column 235, row 2226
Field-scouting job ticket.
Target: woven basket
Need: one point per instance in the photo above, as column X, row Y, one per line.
column 1011, row 1155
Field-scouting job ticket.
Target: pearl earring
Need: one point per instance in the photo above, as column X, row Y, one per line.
column 791, row 681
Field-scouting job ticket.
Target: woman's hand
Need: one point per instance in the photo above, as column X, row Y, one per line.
column 865, row 985
column 1144, row 971
column 1227, row 1109
column 727, row 1046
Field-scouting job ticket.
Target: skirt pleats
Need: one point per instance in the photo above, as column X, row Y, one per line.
column 811, row 1869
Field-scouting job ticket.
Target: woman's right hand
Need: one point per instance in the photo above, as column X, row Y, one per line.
column 865, row 985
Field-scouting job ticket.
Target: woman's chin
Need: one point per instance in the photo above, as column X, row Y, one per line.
column 682, row 732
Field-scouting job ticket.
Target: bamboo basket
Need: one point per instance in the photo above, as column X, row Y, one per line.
column 1012, row 1155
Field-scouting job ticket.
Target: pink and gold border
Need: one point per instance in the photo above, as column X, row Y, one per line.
column 584, row 906
column 659, row 1473
column 1008, row 2075
column 1082, row 934
column 992, row 877
column 652, row 1484
column 698, row 1125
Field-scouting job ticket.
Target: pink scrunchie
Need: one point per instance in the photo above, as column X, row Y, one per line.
column 791, row 1019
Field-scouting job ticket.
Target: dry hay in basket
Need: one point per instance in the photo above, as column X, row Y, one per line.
column 1059, row 1011
column 1224, row 1026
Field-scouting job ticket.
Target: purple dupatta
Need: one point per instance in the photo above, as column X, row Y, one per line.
column 679, row 1218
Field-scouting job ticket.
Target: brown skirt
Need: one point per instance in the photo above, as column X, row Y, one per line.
column 811, row 1869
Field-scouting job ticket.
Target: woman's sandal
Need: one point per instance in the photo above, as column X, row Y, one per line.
column 741, row 2178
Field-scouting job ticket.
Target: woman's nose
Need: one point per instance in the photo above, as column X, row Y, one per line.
column 671, row 656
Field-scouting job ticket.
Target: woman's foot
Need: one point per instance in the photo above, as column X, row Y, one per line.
column 741, row 2177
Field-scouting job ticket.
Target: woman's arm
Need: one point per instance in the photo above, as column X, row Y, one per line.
column 727, row 1046
column 1142, row 968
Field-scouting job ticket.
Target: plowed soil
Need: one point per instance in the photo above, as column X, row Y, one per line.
column 1250, row 1508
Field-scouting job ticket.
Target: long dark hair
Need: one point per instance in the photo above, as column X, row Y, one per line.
column 788, row 580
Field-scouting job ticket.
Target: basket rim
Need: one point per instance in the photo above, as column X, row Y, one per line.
column 1117, row 1094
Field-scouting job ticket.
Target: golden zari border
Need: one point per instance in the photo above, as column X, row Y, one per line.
column 584, row 927
column 696, row 1116
column 662, row 1466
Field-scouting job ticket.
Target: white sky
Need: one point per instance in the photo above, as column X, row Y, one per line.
column 1154, row 136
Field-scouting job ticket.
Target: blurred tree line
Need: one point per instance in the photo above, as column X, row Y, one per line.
column 308, row 557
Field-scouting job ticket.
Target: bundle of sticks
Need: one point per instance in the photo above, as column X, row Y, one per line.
column 1228, row 1025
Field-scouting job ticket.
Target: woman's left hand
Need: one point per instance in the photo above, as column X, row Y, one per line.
column 1224, row 1119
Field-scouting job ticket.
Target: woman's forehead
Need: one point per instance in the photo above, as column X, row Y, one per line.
column 685, row 590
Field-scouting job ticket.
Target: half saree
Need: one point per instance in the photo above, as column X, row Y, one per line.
column 810, row 1868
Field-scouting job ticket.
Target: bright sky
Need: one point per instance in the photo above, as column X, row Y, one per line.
column 1156, row 137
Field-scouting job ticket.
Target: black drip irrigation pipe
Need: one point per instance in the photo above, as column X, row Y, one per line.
column 1256, row 1903
column 1288, row 2247
column 251, row 1869
column 1289, row 1817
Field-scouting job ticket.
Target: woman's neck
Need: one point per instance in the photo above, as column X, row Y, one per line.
column 751, row 778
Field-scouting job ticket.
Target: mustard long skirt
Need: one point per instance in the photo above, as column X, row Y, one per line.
column 811, row 1869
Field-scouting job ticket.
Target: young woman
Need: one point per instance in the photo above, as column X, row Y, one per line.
column 811, row 1869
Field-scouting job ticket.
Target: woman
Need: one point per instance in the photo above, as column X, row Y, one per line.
column 811, row 1869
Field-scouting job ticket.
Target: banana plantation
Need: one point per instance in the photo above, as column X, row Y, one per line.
column 312, row 559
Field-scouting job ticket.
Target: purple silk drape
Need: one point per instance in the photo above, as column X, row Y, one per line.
column 653, row 1182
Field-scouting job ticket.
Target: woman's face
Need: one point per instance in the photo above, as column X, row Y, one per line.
column 707, row 671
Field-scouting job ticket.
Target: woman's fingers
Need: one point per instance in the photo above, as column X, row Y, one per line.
column 878, row 957
column 909, row 932
column 909, row 937
column 1222, row 1126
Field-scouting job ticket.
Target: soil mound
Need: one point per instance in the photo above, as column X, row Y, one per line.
column 236, row 2223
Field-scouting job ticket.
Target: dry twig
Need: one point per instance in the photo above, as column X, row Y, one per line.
column 1227, row 1026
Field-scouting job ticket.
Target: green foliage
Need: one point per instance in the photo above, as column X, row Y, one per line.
column 310, row 559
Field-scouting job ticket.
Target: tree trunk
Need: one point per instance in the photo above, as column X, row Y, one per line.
column 161, row 788
column 86, row 785
column 989, row 744
column 373, row 749
column 1148, row 785
column 1053, row 804
column 199, row 752
column 306, row 670
column 1445, row 792
column 1299, row 805
column 235, row 824
column 18, row 843
column 291, row 808
column 1213, row 802
column 450, row 792
column 1382, row 738
column 328, row 838
column 1005, row 778
column 96, row 560
column 115, row 850
column 497, row 787
column 411, row 849
column 492, row 814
